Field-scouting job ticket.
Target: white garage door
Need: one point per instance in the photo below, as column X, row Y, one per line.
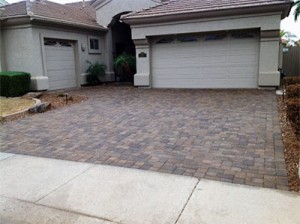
column 222, row 60
column 60, row 64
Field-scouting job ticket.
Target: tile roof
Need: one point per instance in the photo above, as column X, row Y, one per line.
column 17, row 9
column 50, row 11
column 173, row 7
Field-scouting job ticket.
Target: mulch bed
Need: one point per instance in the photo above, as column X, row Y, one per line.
column 58, row 100
column 292, row 146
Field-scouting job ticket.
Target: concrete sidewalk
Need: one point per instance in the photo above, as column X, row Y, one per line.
column 45, row 191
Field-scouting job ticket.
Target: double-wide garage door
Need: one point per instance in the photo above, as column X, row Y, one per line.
column 60, row 64
column 222, row 60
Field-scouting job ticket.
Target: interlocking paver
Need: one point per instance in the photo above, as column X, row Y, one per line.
column 226, row 135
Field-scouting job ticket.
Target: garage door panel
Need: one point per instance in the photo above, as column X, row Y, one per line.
column 202, row 74
column 60, row 64
column 204, row 83
column 61, row 58
column 61, row 85
column 226, row 63
column 194, row 60
column 63, row 52
column 188, row 70
column 207, row 84
column 242, row 58
column 243, row 70
column 68, row 74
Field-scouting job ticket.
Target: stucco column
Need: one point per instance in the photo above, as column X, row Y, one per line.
column 268, row 61
column 110, row 75
column 142, row 77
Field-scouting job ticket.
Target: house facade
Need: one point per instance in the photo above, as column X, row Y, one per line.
column 178, row 43
column 51, row 41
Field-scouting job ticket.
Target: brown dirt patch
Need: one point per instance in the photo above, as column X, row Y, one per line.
column 57, row 100
column 291, row 144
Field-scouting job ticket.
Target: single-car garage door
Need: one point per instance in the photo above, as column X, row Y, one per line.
column 60, row 64
column 218, row 60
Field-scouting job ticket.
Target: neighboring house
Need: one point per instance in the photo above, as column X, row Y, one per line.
column 178, row 43
column 51, row 41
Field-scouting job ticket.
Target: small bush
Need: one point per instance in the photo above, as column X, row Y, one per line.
column 291, row 80
column 293, row 91
column 95, row 72
column 293, row 112
column 14, row 83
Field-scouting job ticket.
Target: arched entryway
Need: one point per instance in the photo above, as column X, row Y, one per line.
column 121, row 44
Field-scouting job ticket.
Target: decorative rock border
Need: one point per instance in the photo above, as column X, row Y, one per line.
column 40, row 108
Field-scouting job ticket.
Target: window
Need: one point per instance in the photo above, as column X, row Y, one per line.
column 50, row 42
column 215, row 37
column 165, row 41
column 94, row 45
column 65, row 44
column 187, row 39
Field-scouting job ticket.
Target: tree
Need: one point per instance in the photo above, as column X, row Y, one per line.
column 297, row 9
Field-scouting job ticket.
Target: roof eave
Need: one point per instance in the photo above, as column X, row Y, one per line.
column 57, row 21
column 283, row 8
column 65, row 22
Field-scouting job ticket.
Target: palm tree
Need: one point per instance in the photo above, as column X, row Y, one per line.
column 297, row 9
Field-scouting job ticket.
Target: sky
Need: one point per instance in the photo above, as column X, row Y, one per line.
column 288, row 24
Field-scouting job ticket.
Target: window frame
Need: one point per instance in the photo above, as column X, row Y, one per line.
column 90, row 49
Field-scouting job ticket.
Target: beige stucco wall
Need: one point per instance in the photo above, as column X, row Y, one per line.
column 264, row 22
column 108, row 9
column 105, row 13
column 268, row 64
column 24, row 51
column 17, row 49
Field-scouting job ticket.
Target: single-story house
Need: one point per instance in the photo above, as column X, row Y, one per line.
column 51, row 41
column 177, row 43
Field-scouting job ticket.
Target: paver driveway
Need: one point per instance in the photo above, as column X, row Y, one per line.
column 226, row 135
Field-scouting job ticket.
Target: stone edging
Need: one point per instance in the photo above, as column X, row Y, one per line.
column 22, row 112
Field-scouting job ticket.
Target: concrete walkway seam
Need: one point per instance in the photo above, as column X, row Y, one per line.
column 63, row 210
column 92, row 165
column 187, row 201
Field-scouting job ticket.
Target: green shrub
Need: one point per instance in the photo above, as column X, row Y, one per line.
column 125, row 66
column 95, row 72
column 14, row 83
column 293, row 91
